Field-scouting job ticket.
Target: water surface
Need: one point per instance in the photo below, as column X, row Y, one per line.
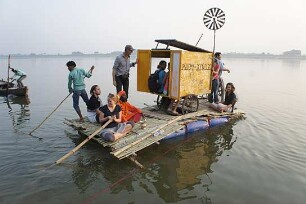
column 257, row 160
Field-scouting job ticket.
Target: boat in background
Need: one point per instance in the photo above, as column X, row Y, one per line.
column 11, row 88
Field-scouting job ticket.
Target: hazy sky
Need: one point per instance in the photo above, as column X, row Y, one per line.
column 64, row 26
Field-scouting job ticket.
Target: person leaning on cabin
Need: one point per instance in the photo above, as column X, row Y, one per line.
column 129, row 112
column 112, row 111
column 121, row 70
column 76, row 77
column 215, row 83
column 19, row 76
column 230, row 99
column 218, row 57
column 94, row 104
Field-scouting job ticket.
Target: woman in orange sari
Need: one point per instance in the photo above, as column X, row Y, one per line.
column 129, row 112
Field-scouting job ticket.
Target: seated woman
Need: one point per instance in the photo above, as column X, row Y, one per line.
column 129, row 112
column 94, row 104
column 114, row 130
column 230, row 99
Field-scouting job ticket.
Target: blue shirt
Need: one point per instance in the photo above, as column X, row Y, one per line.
column 161, row 77
column 76, row 76
column 18, row 73
column 221, row 64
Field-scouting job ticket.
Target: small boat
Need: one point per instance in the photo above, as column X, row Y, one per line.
column 12, row 89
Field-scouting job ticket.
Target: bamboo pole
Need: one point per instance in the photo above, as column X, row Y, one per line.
column 148, row 135
column 49, row 114
column 84, row 142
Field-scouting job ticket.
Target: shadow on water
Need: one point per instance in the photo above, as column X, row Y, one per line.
column 176, row 170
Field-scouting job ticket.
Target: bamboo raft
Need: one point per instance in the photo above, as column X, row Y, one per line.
column 158, row 126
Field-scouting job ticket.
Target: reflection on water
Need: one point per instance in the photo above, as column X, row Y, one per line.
column 176, row 176
column 19, row 110
column 94, row 162
column 179, row 179
column 292, row 63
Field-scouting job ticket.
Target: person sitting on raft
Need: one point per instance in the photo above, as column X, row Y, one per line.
column 114, row 130
column 229, row 102
column 129, row 112
column 94, row 104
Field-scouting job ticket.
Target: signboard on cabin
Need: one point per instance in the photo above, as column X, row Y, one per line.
column 195, row 73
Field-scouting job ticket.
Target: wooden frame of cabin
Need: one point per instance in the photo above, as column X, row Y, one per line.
column 190, row 71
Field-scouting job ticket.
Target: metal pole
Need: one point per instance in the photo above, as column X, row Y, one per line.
column 199, row 39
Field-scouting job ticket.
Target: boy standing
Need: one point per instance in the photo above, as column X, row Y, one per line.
column 76, row 77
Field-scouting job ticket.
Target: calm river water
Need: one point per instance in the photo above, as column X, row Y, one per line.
column 260, row 159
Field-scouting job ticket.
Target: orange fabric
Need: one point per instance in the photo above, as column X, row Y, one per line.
column 128, row 111
column 120, row 93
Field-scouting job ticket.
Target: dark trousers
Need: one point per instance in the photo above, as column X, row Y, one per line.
column 214, row 90
column 19, row 81
column 76, row 96
column 122, row 82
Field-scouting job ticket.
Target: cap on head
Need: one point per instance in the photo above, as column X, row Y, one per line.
column 120, row 93
column 129, row 47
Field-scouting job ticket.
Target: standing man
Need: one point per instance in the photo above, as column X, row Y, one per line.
column 76, row 77
column 19, row 76
column 121, row 70
column 222, row 68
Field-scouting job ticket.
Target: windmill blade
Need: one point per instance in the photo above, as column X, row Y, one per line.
column 214, row 18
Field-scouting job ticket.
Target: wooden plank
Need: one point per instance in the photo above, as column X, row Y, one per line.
column 141, row 138
column 148, row 135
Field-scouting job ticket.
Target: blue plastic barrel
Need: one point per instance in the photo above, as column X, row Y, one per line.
column 218, row 121
column 179, row 133
column 197, row 126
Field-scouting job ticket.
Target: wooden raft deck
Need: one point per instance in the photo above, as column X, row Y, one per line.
column 158, row 126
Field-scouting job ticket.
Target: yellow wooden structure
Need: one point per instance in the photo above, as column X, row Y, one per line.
column 190, row 69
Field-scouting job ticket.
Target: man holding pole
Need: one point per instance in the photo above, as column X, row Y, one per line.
column 19, row 76
column 76, row 77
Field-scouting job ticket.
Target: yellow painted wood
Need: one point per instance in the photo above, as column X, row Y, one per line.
column 190, row 72
column 160, row 53
column 174, row 82
column 195, row 73
column 143, row 69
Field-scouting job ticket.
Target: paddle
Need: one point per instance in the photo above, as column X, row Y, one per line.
column 49, row 114
column 84, row 142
